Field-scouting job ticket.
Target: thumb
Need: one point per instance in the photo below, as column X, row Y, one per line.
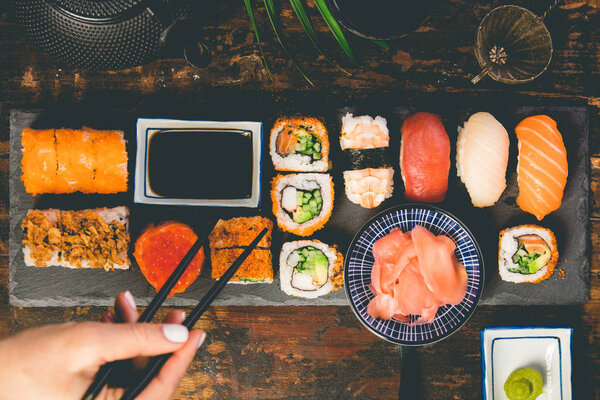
column 111, row 342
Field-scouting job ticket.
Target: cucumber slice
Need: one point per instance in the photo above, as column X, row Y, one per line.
column 299, row 197
column 317, row 146
column 317, row 193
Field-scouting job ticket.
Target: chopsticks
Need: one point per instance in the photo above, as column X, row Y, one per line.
column 105, row 371
column 156, row 363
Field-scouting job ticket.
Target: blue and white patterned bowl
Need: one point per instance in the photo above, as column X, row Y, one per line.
column 359, row 262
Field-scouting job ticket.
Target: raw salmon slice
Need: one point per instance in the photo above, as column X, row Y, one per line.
column 542, row 168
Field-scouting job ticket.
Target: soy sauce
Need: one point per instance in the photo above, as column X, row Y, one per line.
column 381, row 19
column 201, row 164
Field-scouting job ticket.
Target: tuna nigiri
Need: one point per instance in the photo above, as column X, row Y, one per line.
column 425, row 158
column 482, row 157
column 542, row 168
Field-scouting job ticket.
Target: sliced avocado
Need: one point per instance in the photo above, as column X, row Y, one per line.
column 530, row 264
column 539, row 262
column 244, row 279
column 321, row 268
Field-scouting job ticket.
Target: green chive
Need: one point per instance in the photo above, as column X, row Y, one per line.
column 334, row 27
column 253, row 23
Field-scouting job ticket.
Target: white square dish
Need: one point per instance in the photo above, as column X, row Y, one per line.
column 546, row 349
column 149, row 129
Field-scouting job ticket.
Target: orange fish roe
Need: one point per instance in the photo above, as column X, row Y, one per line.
column 39, row 161
column 67, row 160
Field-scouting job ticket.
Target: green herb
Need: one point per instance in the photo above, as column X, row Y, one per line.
column 270, row 7
column 334, row 27
column 312, row 35
column 381, row 44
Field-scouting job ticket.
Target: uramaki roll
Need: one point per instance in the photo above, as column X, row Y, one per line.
column 527, row 253
column 302, row 203
column 299, row 144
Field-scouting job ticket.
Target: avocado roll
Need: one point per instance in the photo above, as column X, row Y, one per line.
column 310, row 268
column 299, row 144
column 302, row 203
column 527, row 253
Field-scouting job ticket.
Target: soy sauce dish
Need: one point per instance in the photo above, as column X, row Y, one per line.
column 198, row 163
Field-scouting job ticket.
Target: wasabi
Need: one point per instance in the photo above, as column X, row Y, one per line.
column 524, row 384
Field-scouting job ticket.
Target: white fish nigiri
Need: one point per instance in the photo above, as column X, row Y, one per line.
column 482, row 158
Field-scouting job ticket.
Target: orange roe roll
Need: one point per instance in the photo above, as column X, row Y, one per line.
column 111, row 161
column 75, row 161
column 39, row 161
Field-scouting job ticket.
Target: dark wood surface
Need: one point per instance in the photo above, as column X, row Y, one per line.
column 323, row 352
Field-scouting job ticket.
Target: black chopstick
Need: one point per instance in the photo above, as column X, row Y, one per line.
column 156, row 363
column 105, row 371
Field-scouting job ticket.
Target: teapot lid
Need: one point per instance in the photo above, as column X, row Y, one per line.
column 98, row 9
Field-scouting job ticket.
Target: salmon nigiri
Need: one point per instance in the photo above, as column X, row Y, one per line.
column 425, row 158
column 542, row 168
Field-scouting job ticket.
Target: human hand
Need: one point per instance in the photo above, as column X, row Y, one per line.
column 61, row 361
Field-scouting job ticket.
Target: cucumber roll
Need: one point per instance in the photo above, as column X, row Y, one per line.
column 310, row 268
column 302, row 203
column 299, row 144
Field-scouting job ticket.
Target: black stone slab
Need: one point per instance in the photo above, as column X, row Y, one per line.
column 56, row 286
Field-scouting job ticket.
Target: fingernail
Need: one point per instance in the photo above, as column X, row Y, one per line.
column 201, row 340
column 182, row 316
column 129, row 297
column 175, row 333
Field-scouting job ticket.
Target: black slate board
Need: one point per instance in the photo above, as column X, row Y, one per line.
column 55, row 286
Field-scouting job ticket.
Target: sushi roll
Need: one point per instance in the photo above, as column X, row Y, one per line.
column 365, row 142
column 93, row 238
column 39, row 161
column 482, row 158
column 299, row 144
column 527, row 253
column 310, row 268
column 68, row 160
column 302, row 203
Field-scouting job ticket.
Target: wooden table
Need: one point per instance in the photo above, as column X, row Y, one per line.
column 324, row 352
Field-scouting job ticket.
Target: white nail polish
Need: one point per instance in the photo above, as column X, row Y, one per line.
column 175, row 333
column 182, row 316
column 201, row 340
column 129, row 298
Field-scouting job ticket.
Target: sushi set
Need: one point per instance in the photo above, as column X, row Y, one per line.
column 97, row 211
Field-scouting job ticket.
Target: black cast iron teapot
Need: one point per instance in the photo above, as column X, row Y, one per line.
column 113, row 34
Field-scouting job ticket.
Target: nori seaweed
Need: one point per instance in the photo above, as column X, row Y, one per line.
column 367, row 158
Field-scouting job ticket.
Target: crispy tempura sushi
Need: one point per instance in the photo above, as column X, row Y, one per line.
column 299, row 144
column 39, row 161
column 111, row 161
column 257, row 268
column 302, row 203
column 42, row 238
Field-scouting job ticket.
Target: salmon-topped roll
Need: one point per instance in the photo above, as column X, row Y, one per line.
column 39, row 161
column 76, row 161
column 299, row 144
column 542, row 168
column 111, row 161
